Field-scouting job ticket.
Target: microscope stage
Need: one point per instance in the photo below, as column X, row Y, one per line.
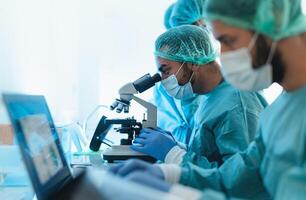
column 123, row 152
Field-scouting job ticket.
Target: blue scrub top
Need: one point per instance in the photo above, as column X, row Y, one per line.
column 174, row 115
column 279, row 147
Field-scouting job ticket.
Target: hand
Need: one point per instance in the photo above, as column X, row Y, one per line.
column 130, row 166
column 148, row 180
column 164, row 131
column 154, row 142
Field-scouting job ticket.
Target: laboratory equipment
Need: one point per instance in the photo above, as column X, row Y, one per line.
column 42, row 153
column 129, row 126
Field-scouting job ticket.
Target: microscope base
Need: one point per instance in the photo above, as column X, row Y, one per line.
column 123, row 152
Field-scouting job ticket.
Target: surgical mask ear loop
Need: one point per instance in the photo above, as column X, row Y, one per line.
column 253, row 41
column 179, row 69
column 272, row 51
column 192, row 75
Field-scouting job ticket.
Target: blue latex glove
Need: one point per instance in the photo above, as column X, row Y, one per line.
column 154, row 142
column 130, row 166
column 149, row 180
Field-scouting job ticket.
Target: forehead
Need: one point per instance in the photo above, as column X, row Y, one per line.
column 162, row 61
column 220, row 29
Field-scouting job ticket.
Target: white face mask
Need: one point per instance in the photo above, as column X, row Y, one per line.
column 238, row 70
column 175, row 90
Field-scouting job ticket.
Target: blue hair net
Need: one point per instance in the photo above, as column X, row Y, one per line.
column 277, row 19
column 187, row 43
column 187, row 12
column 167, row 16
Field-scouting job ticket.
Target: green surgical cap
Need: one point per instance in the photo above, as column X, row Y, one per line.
column 167, row 16
column 187, row 43
column 186, row 12
column 277, row 19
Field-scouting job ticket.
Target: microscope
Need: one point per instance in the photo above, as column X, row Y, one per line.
column 129, row 126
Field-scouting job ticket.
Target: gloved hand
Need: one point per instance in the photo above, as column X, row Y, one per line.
column 149, row 180
column 132, row 165
column 154, row 142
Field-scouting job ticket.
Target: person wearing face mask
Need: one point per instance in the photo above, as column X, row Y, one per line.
column 268, row 39
column 226, row 120
column 176, row 114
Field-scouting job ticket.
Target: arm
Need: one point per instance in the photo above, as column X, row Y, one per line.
column 238, row 176
column 232, row 133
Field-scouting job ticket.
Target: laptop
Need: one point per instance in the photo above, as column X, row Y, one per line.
column 42, row 153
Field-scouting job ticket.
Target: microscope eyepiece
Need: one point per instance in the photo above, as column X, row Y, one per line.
column 145, row 82
column 156, row 77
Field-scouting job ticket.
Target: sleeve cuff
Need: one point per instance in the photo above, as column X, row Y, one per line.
column 193, row 194
column 182, row 145
column 185, row 192
column 175, row 155
column 172, row 172
column 214, row 195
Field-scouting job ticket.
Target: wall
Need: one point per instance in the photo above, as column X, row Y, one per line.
column 77, row 53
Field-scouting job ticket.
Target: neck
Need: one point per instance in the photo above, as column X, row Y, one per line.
column 215, row 82
column 293, row 51
column 212, row 79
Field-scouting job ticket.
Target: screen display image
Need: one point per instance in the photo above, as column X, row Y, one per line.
column 41, row 146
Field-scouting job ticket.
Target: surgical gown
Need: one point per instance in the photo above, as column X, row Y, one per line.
column 278, row 147
column 225, row 123
column 176, row 116
column 292, row 184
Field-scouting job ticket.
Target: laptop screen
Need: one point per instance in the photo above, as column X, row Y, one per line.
column 39, row 142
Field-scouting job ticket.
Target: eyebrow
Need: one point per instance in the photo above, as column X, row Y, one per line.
column 162, row 67
column 221, row 37
column 225, row 37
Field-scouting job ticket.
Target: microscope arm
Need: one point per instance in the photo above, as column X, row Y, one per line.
column 151, row 113
column 127, row 91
